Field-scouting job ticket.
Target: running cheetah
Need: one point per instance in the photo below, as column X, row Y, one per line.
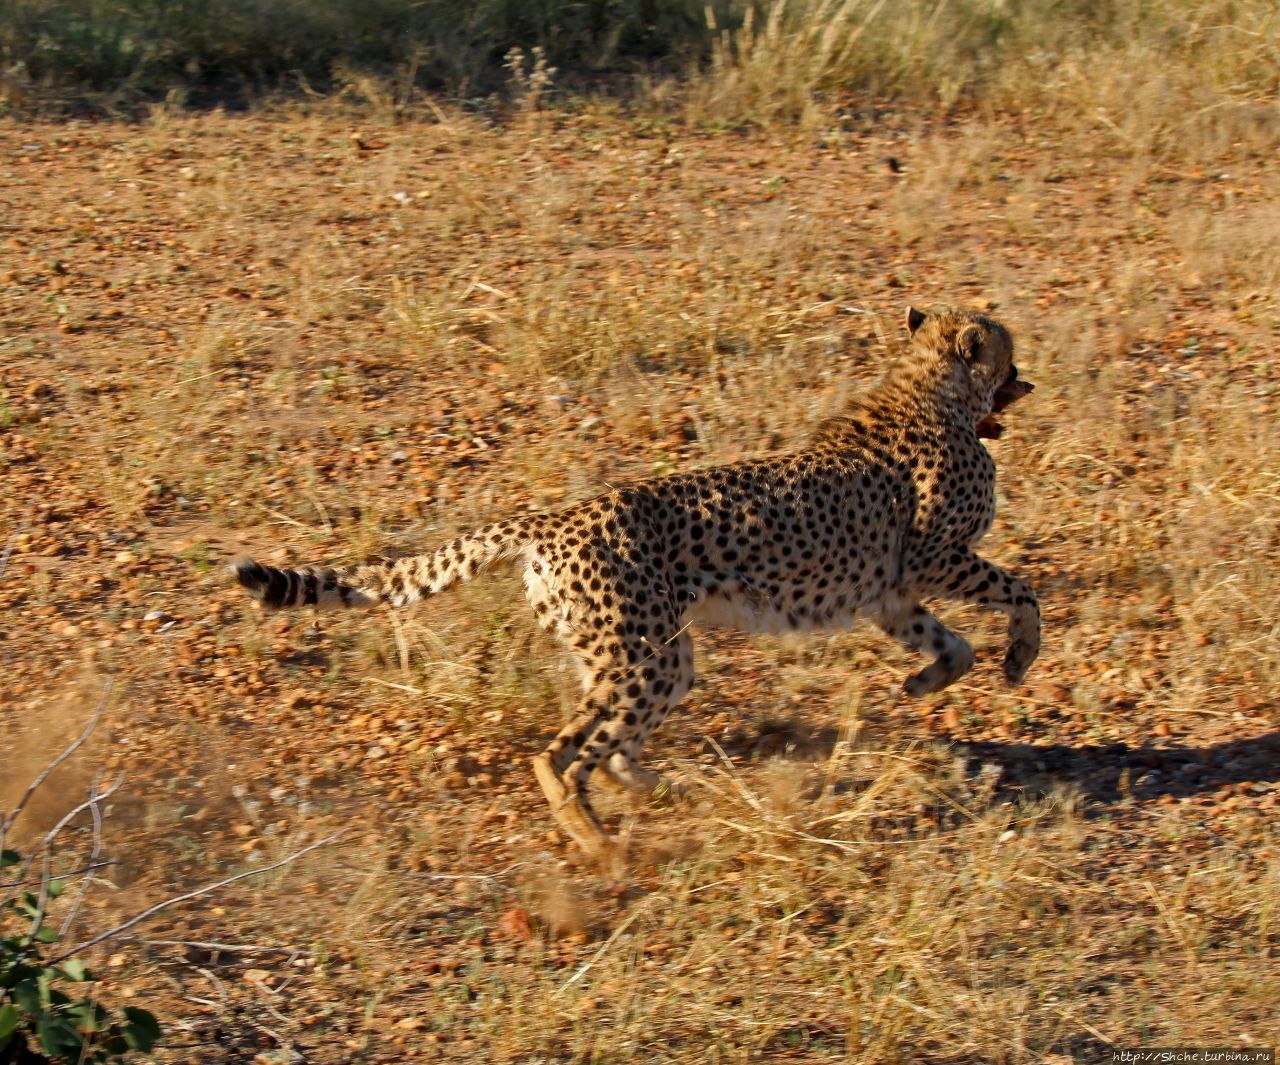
column 880, row 510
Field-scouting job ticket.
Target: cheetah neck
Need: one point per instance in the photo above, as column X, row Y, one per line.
column 944, row 393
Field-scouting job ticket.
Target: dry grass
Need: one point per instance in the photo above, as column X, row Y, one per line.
column 1152, row 75
column 227, row 333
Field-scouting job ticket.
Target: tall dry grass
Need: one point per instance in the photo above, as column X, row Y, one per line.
column 1155, row 75
column 1151, row 72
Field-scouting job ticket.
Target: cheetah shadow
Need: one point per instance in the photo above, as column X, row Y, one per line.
column 1106, row 773
column 1099, row 773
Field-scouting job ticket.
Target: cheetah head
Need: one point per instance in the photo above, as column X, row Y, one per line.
column 978, row 353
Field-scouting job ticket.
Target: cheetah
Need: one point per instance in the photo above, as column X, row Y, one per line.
column 880, row 510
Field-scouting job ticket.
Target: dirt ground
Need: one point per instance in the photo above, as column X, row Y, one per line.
column 312, row 334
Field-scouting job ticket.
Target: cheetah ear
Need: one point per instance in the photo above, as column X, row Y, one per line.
column 970, row 342
column 915, row 319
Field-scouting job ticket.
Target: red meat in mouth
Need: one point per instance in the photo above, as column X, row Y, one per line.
column 1009, row 392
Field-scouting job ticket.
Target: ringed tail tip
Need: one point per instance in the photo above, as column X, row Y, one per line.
column 277, row 589
column 254, row 577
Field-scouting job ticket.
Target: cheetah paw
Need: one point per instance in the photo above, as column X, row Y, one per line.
column 925, row 682
column 1017, row 661
column 668, row 792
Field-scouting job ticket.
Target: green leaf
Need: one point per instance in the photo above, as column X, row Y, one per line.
column 15, row 970
column 55, row 888
column 8, row 1022
column 8, row 857
column 88, row 1016
column 142, row 1030
column 75, row 970
column 57, row 1037
column 26, row 993
column 45, row 934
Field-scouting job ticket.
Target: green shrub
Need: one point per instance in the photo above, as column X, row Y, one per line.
column 740, row 60
column 150, row 46
column 40, row 1022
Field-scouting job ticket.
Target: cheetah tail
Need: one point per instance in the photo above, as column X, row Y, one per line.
column 400, row 582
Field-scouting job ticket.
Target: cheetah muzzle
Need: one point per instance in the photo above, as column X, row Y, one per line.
column 881, row 510
column 1009, row 392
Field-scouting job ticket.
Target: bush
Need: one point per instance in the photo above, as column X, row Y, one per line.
column 39, row 1022
column 740, row 60
column 147, row 47
column 1008, row 52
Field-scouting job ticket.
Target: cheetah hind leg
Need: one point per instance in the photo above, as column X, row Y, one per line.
column 622, row 769
column 624, row 774
column 570, row 814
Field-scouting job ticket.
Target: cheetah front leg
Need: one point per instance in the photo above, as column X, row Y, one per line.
column 913, row 626
column 972, row 579
column 625, row 774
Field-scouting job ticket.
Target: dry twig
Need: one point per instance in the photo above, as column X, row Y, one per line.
column 111, row 933
column 71, row 749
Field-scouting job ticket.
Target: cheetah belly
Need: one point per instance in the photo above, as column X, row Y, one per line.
column 738, row 608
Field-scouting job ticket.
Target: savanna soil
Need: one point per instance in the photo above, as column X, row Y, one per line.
column 309, row 335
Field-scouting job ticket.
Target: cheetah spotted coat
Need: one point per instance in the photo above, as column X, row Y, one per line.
column 881, row 510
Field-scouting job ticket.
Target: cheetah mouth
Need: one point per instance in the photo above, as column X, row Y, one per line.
column 1010, row 392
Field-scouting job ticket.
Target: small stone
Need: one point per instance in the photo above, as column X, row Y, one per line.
column 516, row 924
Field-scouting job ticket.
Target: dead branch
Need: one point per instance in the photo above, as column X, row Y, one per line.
column 44, row 775
column 229, row 948
column 61, row 876
column 49, row 836
column 111, row 933
column 96, row 813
